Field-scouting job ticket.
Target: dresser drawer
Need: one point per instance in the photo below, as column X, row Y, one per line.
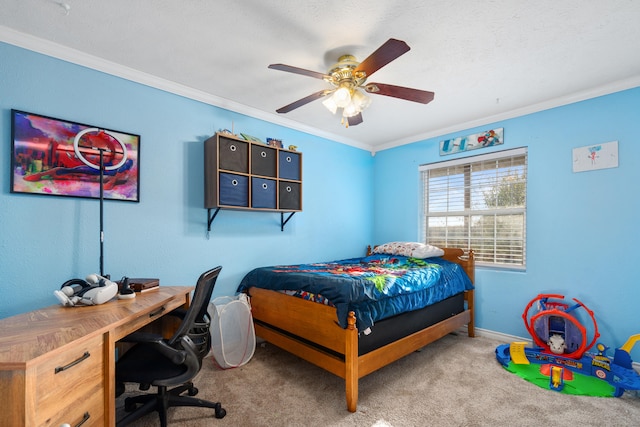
column 71, row 383
column 155, row 315
column 89, row 411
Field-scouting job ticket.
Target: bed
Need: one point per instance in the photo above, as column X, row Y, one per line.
column 298, row 308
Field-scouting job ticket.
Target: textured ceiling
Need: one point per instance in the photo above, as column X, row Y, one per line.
column 485, row 60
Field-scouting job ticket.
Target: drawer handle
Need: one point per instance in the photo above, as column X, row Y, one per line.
column 232, row 148
column 263, row 154
column 84, row 419
column 288, row 189
column 289, row 159
column 158, row 311
column 234, row 182
column 264, row 186
column 86, row 355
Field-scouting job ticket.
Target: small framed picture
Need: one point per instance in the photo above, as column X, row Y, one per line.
column 597, row 156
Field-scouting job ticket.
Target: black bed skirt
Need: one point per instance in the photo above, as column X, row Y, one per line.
column 393, row 328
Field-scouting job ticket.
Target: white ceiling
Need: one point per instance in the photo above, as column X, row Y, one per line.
column 485, row 60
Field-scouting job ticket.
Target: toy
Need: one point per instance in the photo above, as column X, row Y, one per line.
column 559, row 358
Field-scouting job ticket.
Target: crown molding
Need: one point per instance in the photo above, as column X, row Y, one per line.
column 64, row 53
column 58, row 51
column 607, row 89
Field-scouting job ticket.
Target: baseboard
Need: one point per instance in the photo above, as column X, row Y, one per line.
column 507, row 338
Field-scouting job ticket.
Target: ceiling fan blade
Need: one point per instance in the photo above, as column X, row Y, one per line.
column 355, row 120
column 415, row 95
column 303, row 101
column 386, row 53
column 296, row 70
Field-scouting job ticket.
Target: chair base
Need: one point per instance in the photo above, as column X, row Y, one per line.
column 164, row 400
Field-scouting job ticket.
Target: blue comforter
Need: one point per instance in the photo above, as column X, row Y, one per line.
column 374, row 287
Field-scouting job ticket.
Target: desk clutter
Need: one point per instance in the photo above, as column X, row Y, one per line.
column 140, row 285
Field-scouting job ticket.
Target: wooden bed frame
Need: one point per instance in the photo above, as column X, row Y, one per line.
column 306, row 329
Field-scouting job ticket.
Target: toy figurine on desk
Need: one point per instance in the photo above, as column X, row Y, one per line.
column 559, row 359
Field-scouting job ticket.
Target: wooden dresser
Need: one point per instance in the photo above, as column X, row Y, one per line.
column 57, row 364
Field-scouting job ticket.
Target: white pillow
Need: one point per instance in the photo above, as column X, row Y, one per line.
column 413, row 249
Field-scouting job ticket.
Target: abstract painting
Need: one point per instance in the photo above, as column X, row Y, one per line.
column 63, row 158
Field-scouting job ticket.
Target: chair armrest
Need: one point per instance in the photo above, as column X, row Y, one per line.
column 142, row 337
column 159, row 344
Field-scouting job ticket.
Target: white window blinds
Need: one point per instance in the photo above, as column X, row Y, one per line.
column 478, row 203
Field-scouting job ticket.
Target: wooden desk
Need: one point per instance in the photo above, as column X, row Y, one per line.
column 57, row 364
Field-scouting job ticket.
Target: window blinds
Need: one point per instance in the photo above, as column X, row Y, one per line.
column 478, row 203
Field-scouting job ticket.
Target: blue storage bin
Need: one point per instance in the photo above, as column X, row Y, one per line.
column 234, row 190
column 263, row 193
column 289, row 165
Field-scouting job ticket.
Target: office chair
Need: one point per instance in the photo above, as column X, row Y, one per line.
column 173, row 362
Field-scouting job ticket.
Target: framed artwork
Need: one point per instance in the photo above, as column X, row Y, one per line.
column 488, row 138
column 57, row 157
column 593, row 157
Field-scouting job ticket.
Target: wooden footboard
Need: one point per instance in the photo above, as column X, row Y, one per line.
column 341, row 354
column 311, row 331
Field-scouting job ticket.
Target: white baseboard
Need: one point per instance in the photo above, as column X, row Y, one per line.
column 506, row 338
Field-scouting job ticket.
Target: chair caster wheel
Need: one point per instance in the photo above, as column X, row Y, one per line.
column 220, row 411
column 192, row 391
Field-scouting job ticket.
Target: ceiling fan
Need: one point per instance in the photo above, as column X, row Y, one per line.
column 349, row 80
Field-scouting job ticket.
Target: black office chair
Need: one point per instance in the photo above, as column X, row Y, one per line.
column 154, row 361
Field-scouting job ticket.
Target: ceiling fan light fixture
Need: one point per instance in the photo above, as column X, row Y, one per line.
column 361, row 100
column 342, row 96
column 330, row 104
column 350, row 110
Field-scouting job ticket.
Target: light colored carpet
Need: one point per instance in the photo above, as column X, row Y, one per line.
column 455, row 381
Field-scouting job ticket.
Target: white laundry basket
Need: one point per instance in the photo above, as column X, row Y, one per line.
column 233, row 337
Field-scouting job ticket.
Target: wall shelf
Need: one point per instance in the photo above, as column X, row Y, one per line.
column 247, row 175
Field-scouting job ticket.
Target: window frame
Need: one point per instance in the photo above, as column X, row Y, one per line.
column 467, row 212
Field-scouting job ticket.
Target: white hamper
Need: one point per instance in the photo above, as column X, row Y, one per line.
column 233, row 338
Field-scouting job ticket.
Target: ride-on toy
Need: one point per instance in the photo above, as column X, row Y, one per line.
column 559, row 359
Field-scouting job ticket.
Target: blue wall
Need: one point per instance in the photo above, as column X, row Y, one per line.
column 45, row 241
column 581, row 227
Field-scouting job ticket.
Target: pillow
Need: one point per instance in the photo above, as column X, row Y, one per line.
column 413, row 249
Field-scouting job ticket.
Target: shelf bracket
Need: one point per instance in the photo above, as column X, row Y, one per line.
column 211, row 217
column 284, row 221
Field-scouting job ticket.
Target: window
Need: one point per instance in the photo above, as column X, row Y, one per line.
column 478, row 203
